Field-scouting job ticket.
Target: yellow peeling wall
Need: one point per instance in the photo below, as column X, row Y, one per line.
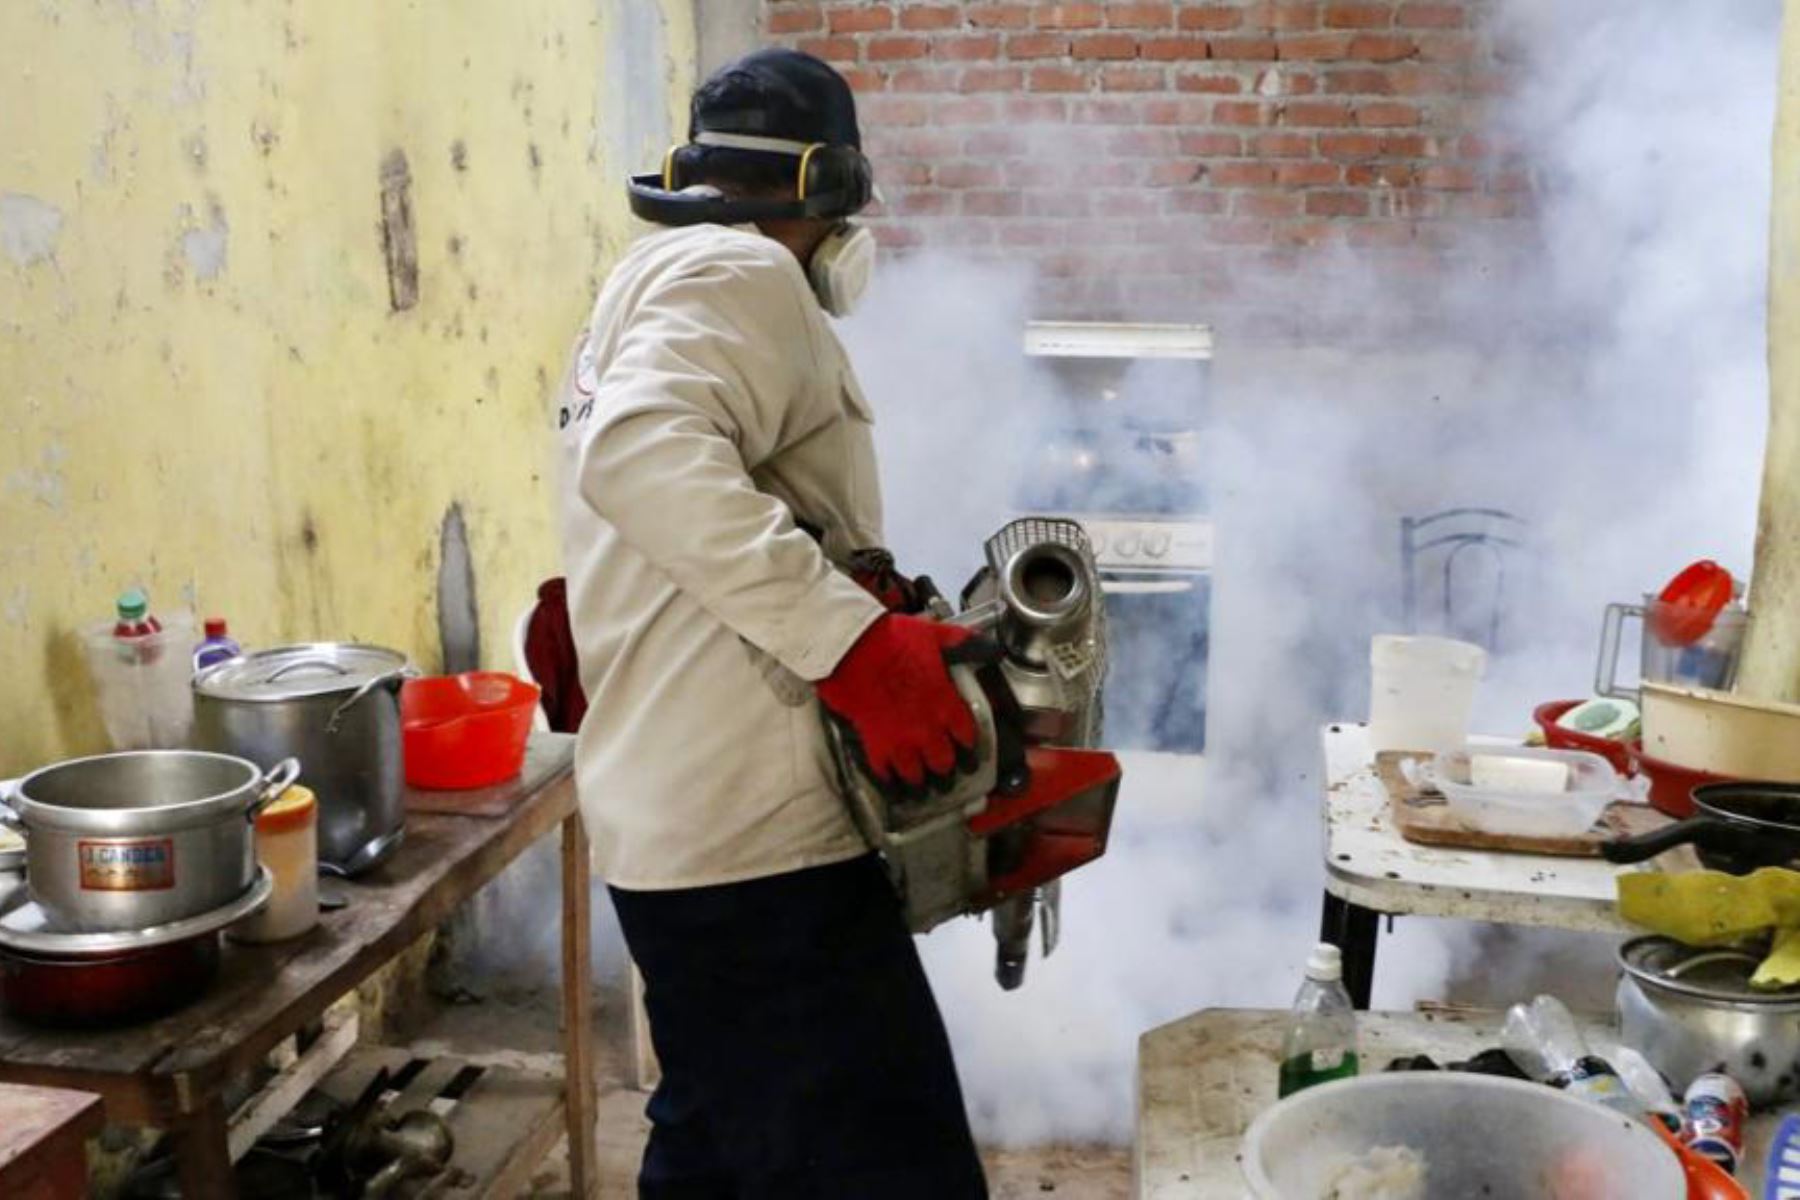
column 203, row 388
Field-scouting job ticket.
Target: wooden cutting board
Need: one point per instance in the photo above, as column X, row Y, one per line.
column 1424, row 818
column 546, row 757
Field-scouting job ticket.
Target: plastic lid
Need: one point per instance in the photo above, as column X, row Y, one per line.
column 1325, row 964
column 133, row 605
column 215, row 627
column 292, row 810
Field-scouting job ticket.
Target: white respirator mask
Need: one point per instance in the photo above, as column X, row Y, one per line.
column 842, row 267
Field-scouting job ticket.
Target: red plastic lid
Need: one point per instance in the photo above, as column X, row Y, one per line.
column 215, row 627
column 1691, row 602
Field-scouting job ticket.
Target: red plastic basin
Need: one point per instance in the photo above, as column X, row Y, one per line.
column 1671, row 786
column 1557, row 738
column 465, row 731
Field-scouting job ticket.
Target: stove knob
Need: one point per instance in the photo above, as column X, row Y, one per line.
column 1097, row 542
column 1157, row 544
column 1127, row 545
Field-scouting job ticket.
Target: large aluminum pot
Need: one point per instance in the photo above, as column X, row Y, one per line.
column 335, row 706
column 122, row 842
column 1692, row 1011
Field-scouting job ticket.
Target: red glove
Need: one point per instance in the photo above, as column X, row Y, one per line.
column 895, row 693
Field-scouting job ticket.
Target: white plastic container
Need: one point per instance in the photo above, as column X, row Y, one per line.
column 1525, row 791
column 287, row 842
column 1478, row 1136
column 144, row 687
column 1421, row 691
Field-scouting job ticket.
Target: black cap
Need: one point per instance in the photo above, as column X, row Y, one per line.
column 777, row 93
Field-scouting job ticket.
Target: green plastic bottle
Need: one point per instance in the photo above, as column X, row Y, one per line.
column 1320, row 1043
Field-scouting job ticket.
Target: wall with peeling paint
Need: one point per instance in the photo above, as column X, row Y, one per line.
column 205, row 384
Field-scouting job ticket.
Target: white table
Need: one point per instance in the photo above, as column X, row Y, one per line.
column 1204, row 1078
column 1371, row 871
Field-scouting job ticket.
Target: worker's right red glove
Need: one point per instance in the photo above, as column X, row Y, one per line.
column 894, row 692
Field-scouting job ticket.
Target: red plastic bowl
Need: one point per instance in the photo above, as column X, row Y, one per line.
column 465, row 731
column 1557, row 738
column 1672, row 787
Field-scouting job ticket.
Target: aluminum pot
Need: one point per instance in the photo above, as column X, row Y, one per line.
column 336, row 707
column 1691, row 1011
column 122, row 842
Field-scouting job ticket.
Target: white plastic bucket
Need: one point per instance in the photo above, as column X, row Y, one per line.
column 1421, row 691
column 145, row 686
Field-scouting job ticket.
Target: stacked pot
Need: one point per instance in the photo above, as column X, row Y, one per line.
column 133, row 864
column 129, row 841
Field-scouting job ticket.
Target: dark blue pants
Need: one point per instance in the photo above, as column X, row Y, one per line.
column 802, row 1053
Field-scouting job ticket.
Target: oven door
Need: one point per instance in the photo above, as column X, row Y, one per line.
column 1157, row 639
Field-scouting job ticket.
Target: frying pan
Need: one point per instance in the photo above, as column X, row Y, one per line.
column 1737, row 828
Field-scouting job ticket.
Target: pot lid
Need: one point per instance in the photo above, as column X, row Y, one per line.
column 292, row 672
column 1720, row 973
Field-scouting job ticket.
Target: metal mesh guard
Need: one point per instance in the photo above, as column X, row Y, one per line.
column 1071, row 661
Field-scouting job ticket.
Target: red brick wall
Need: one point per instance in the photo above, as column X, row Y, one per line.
column 1149, row 158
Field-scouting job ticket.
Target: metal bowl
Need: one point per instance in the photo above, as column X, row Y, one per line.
column 1692, row 1011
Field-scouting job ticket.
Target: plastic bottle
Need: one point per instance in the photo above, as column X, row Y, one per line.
column 1320, row 1044
column 1648, row 1085
column 1542, row 1039
column 287, row 842
column 134, row 625
column 217, row 647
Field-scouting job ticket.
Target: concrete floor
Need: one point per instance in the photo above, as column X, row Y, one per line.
column 518, row 1028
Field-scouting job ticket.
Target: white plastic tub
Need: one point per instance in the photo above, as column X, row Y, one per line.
column 1497, row 1139
column 1421, row 690
column 1524, row 791
column 1722, row 733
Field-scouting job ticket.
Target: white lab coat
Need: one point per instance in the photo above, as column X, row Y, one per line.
column 708, row 406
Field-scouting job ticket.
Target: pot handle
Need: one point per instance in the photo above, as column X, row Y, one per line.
column 305, row 662
column 1646, row 846
column 388, row 679
column 277, row 780
column 1606, row 667
column 1700, row 960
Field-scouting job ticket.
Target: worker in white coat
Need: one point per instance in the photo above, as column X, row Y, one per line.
column 718, row 483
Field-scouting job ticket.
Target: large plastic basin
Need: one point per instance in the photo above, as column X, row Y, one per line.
column 1496, row 1139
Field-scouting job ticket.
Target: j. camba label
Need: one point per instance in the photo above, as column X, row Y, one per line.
column 147, row 865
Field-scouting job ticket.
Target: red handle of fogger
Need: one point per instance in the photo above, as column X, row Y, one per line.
column 1060, row 821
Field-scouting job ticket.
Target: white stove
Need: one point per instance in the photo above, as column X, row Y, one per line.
column 1135, row 449
column 1130, row 544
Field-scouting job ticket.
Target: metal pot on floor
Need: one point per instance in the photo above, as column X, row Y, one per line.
column 1690, row 1011
column 336, row 706
column 144, row 838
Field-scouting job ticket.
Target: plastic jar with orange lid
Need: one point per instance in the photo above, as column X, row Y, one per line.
column 287, row 842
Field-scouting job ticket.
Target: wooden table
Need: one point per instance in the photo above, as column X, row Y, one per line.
column 43, row 1141
column 171, row 1073
column 1203, row 1079
column 1371, row 871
